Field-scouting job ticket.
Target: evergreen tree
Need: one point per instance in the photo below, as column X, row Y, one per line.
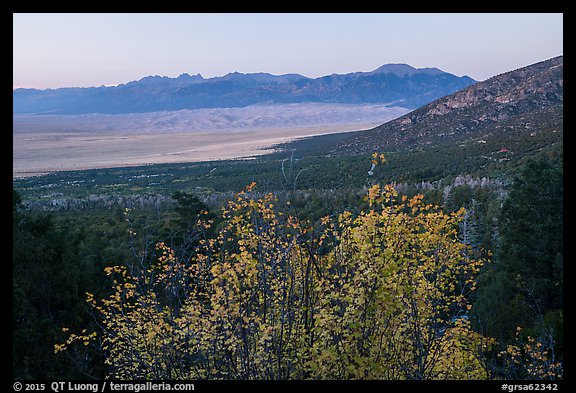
column 523, row 287
column 48, row 281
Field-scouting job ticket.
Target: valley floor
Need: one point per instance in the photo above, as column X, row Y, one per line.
column 39, row 151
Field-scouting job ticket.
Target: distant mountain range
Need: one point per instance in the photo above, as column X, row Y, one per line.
column 396, row 85
column 525, row 100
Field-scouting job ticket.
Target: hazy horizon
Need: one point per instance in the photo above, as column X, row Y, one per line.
column 84, row 50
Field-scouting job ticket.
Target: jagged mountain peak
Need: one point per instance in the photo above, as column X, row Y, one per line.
column 186, row 75
column 236, row 89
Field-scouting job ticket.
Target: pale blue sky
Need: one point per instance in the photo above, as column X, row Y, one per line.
column 63, row 50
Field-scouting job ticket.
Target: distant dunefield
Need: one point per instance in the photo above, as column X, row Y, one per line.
column 46, row 143
column 214, row 119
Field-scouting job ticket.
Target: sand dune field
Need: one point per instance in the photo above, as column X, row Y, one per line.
column 45, row 143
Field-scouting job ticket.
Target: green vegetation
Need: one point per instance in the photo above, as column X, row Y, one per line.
column 524, row 285
column 319, row 271
column 49, row 276
column 261, row 300
column 306, row 159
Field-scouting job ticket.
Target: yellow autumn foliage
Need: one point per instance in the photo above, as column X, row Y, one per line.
column 379, row 295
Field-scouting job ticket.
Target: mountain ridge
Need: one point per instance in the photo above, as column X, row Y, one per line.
column 512, row 100
column 400, row 84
